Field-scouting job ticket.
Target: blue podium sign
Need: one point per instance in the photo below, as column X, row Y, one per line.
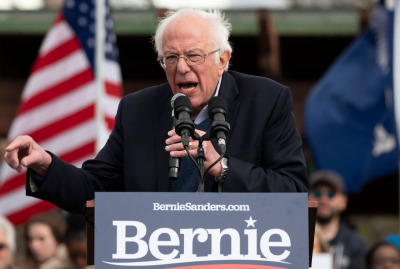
column 201, row 230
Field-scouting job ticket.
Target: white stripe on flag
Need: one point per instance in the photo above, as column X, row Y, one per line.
column 111, row 105
column 15, row 200
column 71, row 139
column 56, row 73
column 58, row 34
column 55, row 110
column 112, row 71
column 7, row 173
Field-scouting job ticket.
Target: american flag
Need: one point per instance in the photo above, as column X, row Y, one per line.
column 58, row 103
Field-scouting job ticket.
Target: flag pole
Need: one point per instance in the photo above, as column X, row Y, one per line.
column 99, row 60
column 396, row 77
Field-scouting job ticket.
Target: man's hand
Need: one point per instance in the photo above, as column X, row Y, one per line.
column 175, row 147
column 24, row 151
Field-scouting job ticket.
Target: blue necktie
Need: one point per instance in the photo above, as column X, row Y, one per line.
column 188, row 174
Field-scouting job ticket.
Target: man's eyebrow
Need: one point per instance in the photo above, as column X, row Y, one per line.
column 188, row 51
column 195, row 50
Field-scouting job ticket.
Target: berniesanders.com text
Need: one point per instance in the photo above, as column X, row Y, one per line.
column 199, row 207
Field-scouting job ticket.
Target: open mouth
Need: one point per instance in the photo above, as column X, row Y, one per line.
column 187, row 87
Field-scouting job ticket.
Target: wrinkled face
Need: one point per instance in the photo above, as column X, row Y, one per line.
column 42, row 243
column 330, row 202
column 5, row 252
column 385, row 257
column 192, row 34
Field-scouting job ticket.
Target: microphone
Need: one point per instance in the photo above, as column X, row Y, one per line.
column 219, row 128
column 184, row 125
column 174, row 163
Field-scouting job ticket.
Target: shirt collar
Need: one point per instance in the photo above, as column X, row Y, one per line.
column 204, row 112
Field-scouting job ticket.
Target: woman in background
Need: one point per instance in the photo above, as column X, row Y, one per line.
column 44, row 235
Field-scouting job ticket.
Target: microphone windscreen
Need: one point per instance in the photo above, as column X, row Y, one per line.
column 216, row 103
column 174, row 98
column 182, row 101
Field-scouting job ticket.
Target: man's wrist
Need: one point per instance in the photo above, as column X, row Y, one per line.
column 42, row 170
column 224, row 171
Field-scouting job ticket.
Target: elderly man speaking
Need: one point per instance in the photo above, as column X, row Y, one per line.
column 263, row 152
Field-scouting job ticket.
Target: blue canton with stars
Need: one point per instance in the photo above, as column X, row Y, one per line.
column 81, row 16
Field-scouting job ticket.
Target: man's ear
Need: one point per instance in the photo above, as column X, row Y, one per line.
column 224, row 58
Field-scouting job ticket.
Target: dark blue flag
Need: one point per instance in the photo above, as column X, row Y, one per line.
column 349, row 115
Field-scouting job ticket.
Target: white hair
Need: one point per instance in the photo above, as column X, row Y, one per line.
column 9, row 230
column 219, row 28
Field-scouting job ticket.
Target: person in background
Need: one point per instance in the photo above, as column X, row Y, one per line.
column 76, row 241
column 44, row 237
column 327, row 187
column 7, row 244
column 383, row 255
column 322, row 252
column 320, row 243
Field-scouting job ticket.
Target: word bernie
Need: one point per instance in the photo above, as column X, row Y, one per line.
column 167, row 246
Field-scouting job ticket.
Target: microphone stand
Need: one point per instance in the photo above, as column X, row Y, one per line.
column 200, row 159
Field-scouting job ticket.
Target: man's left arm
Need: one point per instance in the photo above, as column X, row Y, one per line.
column 281, row 165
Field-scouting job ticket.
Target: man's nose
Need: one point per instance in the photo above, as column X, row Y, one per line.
column 182, row 66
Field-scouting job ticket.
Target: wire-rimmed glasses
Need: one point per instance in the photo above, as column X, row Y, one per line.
column 191, row 58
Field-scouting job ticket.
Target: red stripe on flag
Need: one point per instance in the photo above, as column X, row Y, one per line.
column 19, row 180
column 56, row 54
column 13, row 183
column 60, row 17
column 113, row 89
column 55, row 91
column 25, row 214
column 64, row 124
column 110, row 121
column 80, row 152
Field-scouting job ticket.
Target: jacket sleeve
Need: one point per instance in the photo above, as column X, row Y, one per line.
column 280, row 163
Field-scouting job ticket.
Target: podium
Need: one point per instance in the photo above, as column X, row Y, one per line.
column 90, row 215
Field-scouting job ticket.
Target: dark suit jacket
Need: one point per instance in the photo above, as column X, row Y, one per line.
column 264, row 146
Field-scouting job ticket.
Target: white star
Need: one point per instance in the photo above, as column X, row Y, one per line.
column 70, row 3
column 82, row 21
column 250, row 222
column 90, row 42
column 83, row 7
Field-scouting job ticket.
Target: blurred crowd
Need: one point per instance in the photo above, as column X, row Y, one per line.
column 53, row 240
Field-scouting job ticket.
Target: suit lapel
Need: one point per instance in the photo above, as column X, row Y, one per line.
column 228, row 91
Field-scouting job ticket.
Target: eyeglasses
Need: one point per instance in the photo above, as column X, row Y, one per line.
column 191, row 58
column 319, row 193
column 3, row 246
